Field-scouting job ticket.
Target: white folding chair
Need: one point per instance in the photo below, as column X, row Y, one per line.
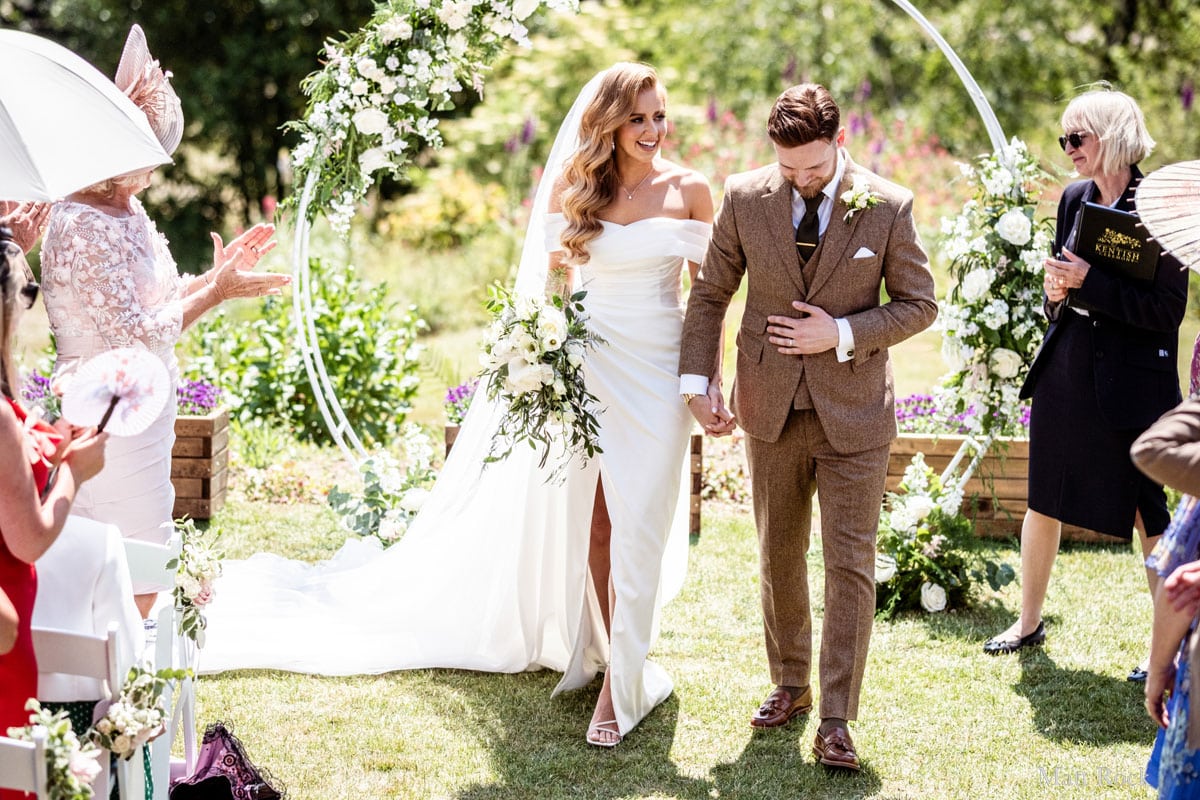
column 148, row 564
column 89, row 656
column 23, row 764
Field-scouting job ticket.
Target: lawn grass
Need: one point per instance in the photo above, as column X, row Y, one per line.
column 939, row 718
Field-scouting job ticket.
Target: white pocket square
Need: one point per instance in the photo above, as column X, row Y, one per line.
column 864, row 252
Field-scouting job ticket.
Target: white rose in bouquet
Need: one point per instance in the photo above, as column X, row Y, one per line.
column 1014, row 227
column 933, row 597
column 522, row 377
column 413, row 499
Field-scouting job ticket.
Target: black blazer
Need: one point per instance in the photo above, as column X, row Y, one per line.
column 1134, row 327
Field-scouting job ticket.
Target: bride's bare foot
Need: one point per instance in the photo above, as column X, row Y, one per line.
column 603, row 731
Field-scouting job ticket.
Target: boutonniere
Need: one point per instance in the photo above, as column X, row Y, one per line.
column 858, row 197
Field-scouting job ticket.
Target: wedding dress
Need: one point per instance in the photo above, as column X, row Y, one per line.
column 492, row 575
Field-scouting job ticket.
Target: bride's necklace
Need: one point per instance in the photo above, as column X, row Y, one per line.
column 629, row 193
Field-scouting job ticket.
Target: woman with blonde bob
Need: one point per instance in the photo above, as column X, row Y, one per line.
column 1106, row 369
column 503, row 570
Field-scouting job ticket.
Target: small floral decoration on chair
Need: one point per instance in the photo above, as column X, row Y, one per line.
column 374, row 105
column 392, row 494
column 198, row 565
column 458, row 401
column 927, row 552
column 71, row 766
column 137, row 716
column 533, row 364
column 858, row 197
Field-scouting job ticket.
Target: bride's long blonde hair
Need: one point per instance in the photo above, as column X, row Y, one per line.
column 590, row 174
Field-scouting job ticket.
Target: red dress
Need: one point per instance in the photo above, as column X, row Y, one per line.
column 18, row 669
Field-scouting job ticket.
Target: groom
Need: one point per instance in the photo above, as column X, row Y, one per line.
column 816, row 236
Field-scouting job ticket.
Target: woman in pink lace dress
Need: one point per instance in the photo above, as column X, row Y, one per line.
column 109, row 281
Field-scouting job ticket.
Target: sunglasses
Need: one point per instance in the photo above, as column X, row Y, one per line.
column 29, row 293
column 1074, row 139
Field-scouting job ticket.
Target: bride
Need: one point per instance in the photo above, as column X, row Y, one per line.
column 503, row 571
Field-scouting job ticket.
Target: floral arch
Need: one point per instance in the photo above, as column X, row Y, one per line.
column 370, row 111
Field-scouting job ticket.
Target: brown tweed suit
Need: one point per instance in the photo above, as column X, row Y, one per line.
column 813, row 423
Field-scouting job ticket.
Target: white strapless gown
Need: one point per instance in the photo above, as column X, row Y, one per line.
column 492, row 575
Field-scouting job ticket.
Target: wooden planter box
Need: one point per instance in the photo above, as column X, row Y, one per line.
column 996, row 496
column 200, row 464
column 695, row 453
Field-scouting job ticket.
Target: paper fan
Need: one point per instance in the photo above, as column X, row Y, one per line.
column 1168, row 203
column 122, row 390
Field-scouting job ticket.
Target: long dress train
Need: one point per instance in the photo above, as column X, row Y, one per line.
column 492, row 575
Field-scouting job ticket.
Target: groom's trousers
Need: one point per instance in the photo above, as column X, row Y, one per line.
column 784, row 475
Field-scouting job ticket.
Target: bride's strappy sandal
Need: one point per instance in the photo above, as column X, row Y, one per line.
column 607, row 727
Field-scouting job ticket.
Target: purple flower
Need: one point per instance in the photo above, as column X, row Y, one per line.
column 711, row 113
column 528, row 131
column 1187, row 93
column 458, row 400
column 196, row 397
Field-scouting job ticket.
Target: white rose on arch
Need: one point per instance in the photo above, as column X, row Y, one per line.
column 920, row 505
column 374, row 160
column 1014, row 227
column 976, row 284
column 933, row 597
column 885, row 568
column 1006, row 364
column 370, row 121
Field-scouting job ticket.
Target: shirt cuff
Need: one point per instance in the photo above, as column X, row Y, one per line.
column 693, row 384
column 845, row 345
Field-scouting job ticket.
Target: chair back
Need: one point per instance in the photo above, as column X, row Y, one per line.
column 148, row 560
column 23, row 764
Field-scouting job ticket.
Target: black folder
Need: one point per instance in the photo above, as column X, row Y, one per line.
column 1116, row 242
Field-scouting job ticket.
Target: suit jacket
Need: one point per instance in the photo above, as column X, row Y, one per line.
column 1133, row 327
column 753, row 237
column 1169, row 450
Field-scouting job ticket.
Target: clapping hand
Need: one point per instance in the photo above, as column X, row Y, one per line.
column 232, row 276
column 25, row 220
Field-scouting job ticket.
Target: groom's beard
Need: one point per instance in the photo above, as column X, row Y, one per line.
column 816, row 185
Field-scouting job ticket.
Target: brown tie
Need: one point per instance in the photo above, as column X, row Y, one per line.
column 808, row 232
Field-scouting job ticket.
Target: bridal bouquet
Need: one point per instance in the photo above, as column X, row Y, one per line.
column 71, row 766
column 533, row 363
column 138, row 714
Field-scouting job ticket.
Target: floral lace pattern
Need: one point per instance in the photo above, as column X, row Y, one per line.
column 110, row 280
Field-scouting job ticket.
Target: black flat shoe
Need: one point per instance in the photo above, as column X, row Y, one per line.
column 1136, row 675
column 995, row 647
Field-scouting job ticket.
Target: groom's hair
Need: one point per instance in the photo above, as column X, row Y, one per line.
column 804, row 114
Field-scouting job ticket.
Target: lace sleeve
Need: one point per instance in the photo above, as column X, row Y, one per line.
column 118, row 281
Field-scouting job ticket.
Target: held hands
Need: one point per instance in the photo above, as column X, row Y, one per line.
column 710, row 411
column 1062, row 275
column 231, row 275
column 812, row 332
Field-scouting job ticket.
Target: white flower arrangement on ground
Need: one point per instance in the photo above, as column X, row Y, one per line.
column 992, row 322
column 533, row 363
column 198, row 565
column 392, row 494
column 138, row 715
column 927, row 553
column 71, row 766
column 371, row 106
column 858, row 197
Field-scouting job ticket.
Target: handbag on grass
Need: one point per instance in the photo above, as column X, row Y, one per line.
column 224, row 772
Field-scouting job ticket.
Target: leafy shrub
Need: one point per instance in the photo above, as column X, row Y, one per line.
column 369, row 347
column 453, row 209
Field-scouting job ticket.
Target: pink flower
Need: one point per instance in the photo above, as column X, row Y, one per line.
column 203, row 597
column 84, row 766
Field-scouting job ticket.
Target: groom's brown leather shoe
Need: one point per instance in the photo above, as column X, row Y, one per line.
column 780, row 707
column 835, row 749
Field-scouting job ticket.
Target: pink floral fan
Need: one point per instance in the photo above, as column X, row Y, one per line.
column 123, row 390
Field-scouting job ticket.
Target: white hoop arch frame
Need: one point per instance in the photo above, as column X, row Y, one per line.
column 303, row 314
